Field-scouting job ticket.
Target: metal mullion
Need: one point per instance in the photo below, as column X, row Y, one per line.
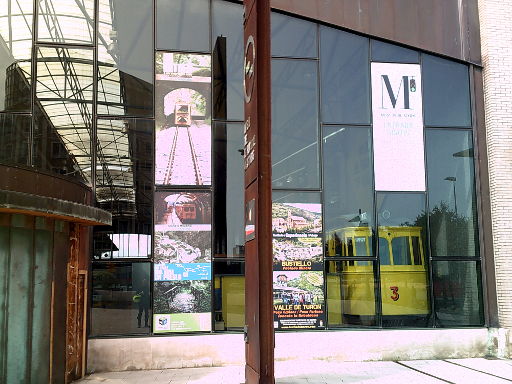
column 95, row 68
column 428, row 239
column 33, row 85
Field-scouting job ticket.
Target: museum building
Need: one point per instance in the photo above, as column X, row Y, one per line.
column 122, row 217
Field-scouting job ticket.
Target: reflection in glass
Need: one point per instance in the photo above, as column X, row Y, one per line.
column 229, row 295
column 183, row 119
column 350, row 293
column 15, row 54
column 124, row 187
column 66, row 21
column 14, row 135
column 121, row 299
column 293, row 37
column 403, row 261
column 345, row 77
column 451, row 192
column 294, row 124
column 457, row 293
column 228, row 36
column 183, row 25
column 228, row 190
column 446, row 99
column 390, row 53
column 125, row 58
column 64, row 97
column 348, row 191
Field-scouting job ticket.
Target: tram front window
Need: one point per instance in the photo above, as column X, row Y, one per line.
column 401, row 251
column 384, row 251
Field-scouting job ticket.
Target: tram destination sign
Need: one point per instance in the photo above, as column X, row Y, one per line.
column 398, row 127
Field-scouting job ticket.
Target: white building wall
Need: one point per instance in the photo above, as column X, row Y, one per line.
column 496, row 34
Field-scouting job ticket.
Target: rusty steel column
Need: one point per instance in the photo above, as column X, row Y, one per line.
column 259, row 317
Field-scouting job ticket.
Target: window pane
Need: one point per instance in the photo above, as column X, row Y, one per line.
column 121, row 299
column 125, row 58
column 15, row 55
column 458, row 293
column 348, row 189
column 228, row 193
column 451, row 186
column 390, row 53
column 294, row 124
column 229, row 295
column 446, row 98
column 183, row 25
column 345, row 77
column 62, row 131
column 124, row 187
column 14, row 134
column 228, row 61
column 292, row 37
column 66, row 21
column 350, row 293
column 183, row 119
column 404, row 287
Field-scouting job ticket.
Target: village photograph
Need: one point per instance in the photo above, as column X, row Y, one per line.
column 296, row 218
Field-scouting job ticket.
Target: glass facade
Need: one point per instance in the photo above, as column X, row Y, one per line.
column 146, row 108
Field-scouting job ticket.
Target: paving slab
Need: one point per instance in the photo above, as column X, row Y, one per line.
column 453, row 373
column 496, row 367
column 464, row 371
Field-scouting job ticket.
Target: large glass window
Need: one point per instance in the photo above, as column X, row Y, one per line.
column 446, row 100
column 404, row 263
column 227, row 61
column 183, row 25
column 228, row 190
column 121, row 299
column 390, row 53
column 294, row 124
column 348, row 191
column 292, row 37
column 451, row 192
column 345, row 74
column 457, row 293
column 350, row 288
column 124, row 187
column 15, row 54
column 66, row 21
column 125, row 58
column 14, row 138
column 229, row 295
column 64, row 93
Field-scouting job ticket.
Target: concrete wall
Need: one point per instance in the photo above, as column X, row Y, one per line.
column 496, row 39
column 226, row 349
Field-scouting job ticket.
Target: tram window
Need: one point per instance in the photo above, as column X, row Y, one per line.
column 350, row 247
column 384, row 251
column 401, row 251
column 361, row 246
column 416, row 250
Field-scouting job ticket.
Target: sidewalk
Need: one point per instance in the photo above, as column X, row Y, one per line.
column 463, row 371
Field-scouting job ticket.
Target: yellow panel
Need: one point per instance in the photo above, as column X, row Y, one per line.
column 233, row 301
column 358, row 291
column 408, row 288
column 334, row 299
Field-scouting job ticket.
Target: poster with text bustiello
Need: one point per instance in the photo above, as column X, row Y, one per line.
column 398, row 144
column 298, row 279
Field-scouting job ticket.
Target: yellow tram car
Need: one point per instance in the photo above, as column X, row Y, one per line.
column 403, row 274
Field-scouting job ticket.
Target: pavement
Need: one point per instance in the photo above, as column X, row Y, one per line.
column 463, row 371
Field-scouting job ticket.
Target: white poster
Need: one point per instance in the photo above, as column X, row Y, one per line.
column 397, row 127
